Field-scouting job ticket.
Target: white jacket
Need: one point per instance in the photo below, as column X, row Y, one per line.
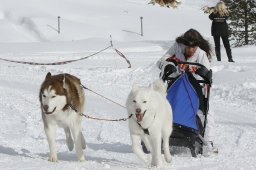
column 177, row 51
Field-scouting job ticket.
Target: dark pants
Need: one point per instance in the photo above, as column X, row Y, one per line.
column 226, row 45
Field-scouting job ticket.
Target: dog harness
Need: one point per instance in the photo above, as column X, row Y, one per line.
column 146, row 130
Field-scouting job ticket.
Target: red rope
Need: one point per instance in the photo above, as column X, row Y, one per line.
column 68, row 61
column 122, row 55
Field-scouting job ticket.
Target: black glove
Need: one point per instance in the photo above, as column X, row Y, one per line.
column 168, row 70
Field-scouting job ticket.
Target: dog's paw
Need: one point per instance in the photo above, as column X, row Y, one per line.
column 168, row 159
column 156, row 163
column 53, row 158
column 82, row 159
column 157, row 166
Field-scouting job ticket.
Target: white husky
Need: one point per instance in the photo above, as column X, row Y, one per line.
column 151, row 121
column 56, row 94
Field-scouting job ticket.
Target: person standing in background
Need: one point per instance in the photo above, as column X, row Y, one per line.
column 219, row 29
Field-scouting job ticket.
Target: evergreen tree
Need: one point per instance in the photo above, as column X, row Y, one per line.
column 242, row 24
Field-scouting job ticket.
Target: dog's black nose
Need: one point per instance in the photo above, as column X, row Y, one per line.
column 138, row 110
column 46, row 107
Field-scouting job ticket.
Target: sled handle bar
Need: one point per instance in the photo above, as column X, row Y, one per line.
column 202, row 71
column 185, row 62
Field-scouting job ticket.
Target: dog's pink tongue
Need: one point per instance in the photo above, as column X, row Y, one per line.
column 139, row 117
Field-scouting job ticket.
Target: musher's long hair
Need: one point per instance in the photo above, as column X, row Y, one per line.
column 193, row 38
column 221, row 9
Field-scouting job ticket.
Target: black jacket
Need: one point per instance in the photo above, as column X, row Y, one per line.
column 219, row 25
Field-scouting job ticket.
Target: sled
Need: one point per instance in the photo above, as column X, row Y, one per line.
column 188, row 95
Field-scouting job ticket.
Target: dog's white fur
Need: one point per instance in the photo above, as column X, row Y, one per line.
column 55, row 93
column 150, row 101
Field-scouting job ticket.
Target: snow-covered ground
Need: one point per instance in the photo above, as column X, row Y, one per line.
column 27, row 33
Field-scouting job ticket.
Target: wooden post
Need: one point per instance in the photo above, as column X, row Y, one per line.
column 141, row 26
column 58, row 24
column 111, row 43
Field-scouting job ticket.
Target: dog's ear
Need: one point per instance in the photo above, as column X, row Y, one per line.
column 48, row 75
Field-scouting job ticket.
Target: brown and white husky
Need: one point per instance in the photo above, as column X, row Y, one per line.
column 57, row 92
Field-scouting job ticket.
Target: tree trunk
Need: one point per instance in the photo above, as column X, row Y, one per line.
column 246, row 24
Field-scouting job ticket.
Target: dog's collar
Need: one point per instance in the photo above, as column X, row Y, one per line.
column 65, row 107
column 145, row 130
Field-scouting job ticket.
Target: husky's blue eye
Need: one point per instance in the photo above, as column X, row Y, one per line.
column 44, row 95
column 53, row 96
column 134, row 101
column 144, row 101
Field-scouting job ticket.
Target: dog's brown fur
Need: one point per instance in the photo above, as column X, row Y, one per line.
column 72, row 84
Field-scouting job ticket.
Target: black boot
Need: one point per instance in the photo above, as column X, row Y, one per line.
column 229, row 54
column 217, row 52
column 231, row 60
